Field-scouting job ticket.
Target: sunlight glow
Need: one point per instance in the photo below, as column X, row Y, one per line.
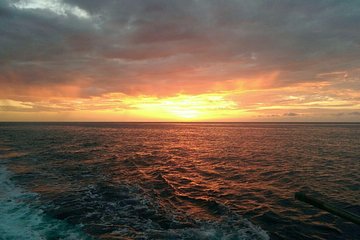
column 185, row 107
column 186, row 113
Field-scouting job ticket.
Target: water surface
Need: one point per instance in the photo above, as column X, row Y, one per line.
column 176, row 180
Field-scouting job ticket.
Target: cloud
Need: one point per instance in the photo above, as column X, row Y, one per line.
column 290, row 114
column 90, row 48
column 354, row 113
column 54, row 6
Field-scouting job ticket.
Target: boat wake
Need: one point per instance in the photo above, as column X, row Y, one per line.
column 129, row 210
column 20, row 220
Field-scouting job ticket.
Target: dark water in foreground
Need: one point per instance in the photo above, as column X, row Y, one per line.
column 176, row 180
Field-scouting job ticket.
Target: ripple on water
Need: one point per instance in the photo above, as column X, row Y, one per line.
column 186, row 181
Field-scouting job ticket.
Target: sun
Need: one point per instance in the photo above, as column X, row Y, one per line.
column 185, row 113
column 203, row 107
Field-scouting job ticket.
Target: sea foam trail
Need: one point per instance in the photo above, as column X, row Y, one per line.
column 20, row 220
column 127, row 211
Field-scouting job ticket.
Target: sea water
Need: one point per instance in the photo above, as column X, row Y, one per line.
column 176, row 180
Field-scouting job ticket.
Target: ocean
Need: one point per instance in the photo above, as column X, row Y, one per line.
column 177, row 180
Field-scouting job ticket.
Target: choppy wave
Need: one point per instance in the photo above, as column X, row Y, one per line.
column 175, row 181
column 129, row 211
column 126, row 211
column 20, row 220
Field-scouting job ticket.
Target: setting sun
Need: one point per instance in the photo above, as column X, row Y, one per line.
column 186, row 113
column 185, row 108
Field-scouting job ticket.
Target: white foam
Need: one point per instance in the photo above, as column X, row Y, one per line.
column 225, row 230
column 19, row 220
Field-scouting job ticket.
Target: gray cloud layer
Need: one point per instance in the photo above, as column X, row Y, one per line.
column 164, row 47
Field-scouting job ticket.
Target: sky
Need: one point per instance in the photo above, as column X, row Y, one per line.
column 180, row 60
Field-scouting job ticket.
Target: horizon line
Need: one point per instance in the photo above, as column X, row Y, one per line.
column 295, row 122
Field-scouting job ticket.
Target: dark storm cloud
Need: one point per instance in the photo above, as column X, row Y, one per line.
column 355, row 113
column 290, row 114
column 164, row 47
